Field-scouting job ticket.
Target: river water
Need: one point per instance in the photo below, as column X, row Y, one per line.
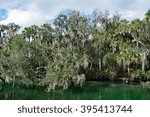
column 91, row 91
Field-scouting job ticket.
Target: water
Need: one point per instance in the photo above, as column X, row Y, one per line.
column 91, row 91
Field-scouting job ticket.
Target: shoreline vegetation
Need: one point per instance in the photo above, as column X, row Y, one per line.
column 76, row 48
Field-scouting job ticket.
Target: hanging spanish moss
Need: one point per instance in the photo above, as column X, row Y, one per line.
column 75, row 48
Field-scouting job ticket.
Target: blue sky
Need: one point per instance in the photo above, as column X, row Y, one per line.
column 29, row 12
column 3, row 14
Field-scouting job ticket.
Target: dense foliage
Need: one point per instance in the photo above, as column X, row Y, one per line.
column 75, row 48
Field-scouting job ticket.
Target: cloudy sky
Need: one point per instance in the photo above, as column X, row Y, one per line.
column 29, row 12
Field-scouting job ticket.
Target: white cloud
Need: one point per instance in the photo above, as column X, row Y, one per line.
column 19, row 17
column 25, row 18
column 28, row 12
column 130, row 15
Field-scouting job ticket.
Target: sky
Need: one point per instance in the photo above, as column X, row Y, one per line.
column 30, row 12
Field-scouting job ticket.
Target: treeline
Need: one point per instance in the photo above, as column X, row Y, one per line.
column 75, row 48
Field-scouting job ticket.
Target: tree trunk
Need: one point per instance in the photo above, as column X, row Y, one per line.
column 143, row 65
column 143, row 57
column 128, row 69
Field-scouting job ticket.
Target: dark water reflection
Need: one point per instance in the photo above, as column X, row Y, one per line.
column 91, row 91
